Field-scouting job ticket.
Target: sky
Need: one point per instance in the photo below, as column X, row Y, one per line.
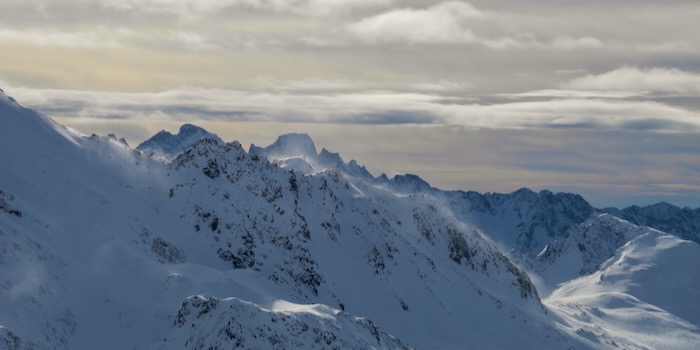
column 600, row 98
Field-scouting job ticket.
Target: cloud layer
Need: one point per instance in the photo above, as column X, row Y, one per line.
column 445, row 22
column 441, row 103
column 670, row 80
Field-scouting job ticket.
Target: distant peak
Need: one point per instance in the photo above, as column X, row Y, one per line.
column 330, row 157
column 664, row 205
column 327, row 152
column 408, row 177
column 298, row 139
column 188, row 129
column 546, row 192
column 524, row 191
column 169, row 145
column 409, row 183
column 290, row 145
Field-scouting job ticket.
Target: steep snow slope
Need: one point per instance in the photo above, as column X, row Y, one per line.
column 584, row 247
column 170, row 146
column 101, row 242
column 643, row 297
column 523, row 221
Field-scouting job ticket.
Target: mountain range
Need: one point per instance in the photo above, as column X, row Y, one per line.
column 189, row 242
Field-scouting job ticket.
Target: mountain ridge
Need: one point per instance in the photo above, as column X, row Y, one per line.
column 122, row 239
column 159, row 253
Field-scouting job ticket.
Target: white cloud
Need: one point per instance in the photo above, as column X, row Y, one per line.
column 186, row 40
column 191, row 9
column 98, row 38
column 567, row 42
column 576, row 94
column 603, row 114
column 331, row 7
column 529, row 41
column 639, row 79
column 442, row 23
column 455, row 22
column 320, row 86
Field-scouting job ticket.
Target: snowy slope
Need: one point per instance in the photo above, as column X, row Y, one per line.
column 584, row 247
column 99, row 241
column 643, row 297
column 222, row 323
column 523, row 221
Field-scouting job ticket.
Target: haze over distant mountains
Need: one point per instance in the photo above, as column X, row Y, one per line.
column 190, row 242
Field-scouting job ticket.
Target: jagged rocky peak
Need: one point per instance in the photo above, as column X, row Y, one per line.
column 330, row 158
column 288, row 145
column 570, row 204
column 170, row 146
column 298, row 152
column 121, row 140
column 523, row 194
column 358, row 170
column 684, row 223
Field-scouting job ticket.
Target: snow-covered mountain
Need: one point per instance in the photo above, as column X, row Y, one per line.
column 644, row 297
column 298, row 152
column 205, row 245
column 682, row 222
column 585, row 247
column 103, row 242
column 170, row 146
column 523, row 221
